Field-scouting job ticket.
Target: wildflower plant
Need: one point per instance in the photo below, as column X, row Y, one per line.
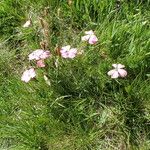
column 58, row 90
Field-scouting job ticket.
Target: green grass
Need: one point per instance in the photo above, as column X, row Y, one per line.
column 82, row 108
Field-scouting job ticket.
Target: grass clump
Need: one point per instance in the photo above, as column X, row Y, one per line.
column 79, row 106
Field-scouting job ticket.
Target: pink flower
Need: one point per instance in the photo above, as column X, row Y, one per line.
column 39, row 54
column 40, row 63
column 90, row 37
column 68, row 52
column 118, row 71
column 28, row 75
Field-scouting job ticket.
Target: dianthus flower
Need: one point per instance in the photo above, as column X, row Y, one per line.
column 118, row 71
column 39, row 54
column 68, row 52
column 90, row 37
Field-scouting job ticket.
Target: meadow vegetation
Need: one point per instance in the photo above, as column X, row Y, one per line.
column 80, row 107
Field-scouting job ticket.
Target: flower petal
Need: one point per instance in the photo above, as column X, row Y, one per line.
column 72, row 53
column 111, row 72
column 115, row 65
column 65, row 48
column 40, row 63
column 64, row 55
column 93, row 39
column 122, row 72
column 25, row 77
column 45, row 55
column 32, row 73
column 28, row 74
column 115, row 75
column 73, row 50
column 120, row 66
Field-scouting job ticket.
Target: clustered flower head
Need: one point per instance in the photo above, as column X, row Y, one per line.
column 118, row 71
column 90, row 37
column 68, row 52
column 39, row 55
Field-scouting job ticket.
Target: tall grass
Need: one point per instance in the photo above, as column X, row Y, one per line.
column 82, row 108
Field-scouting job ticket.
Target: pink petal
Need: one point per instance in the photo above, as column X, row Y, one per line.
column 85, row 38
column 73, row 50
column 115, row 65
column 65, row 48
column 28, row 74
column 64, row 55
column 25, row 77
column 93, row 39
column 111, row 72
column 122, row 72
column 72, row 53
column 40, row 63
column 63, row 51
column 90, row 32
column 33, row 56
column 32, row 73
column 120, row 66
column 115, row 75
column 45, row 55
